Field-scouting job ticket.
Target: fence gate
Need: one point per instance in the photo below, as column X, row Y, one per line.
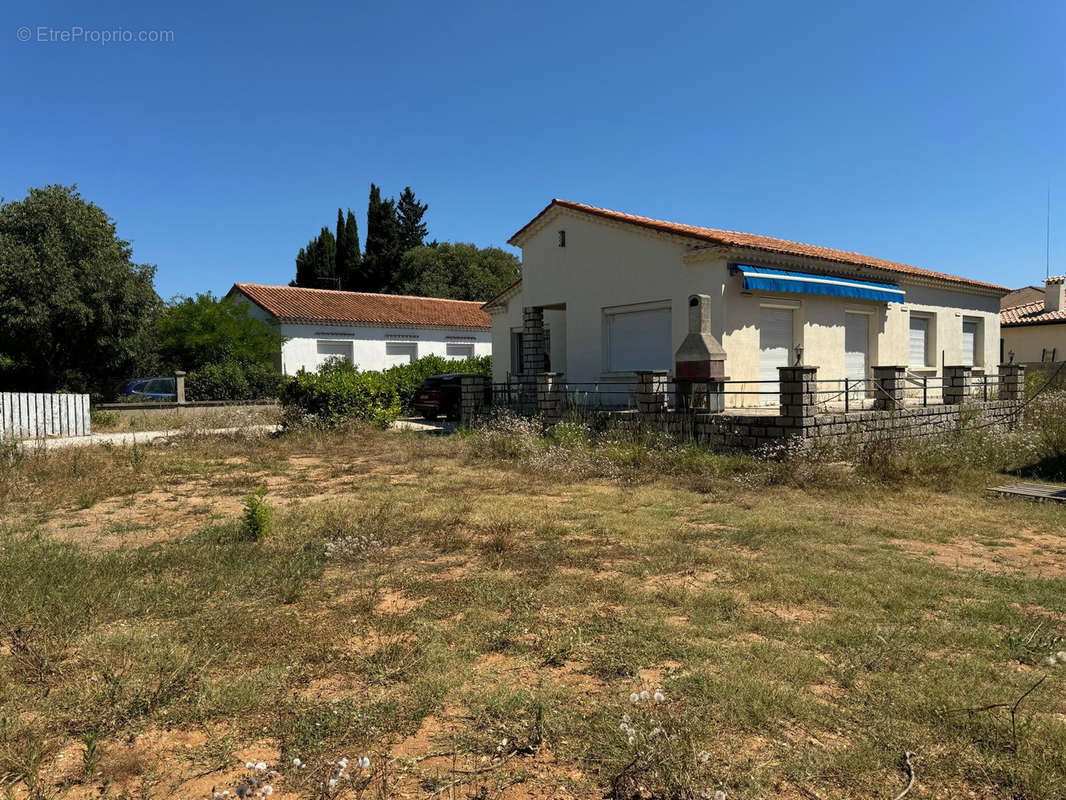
column 26, row 415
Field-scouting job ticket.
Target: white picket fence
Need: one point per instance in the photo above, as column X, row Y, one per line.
column 26, row 415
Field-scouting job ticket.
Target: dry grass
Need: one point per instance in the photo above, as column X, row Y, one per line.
column 492, row 605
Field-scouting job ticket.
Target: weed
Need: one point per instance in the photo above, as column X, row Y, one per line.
column 258, row 515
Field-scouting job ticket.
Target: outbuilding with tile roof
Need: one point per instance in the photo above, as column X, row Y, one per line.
column 1035, row 331
column 372, row 331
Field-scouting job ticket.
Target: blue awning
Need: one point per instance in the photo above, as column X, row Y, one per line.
column 776, row 280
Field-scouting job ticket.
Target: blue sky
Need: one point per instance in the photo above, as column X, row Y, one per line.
column 920, row 132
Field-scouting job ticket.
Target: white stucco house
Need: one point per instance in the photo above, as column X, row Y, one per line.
column 372, row 331
column 613, row 291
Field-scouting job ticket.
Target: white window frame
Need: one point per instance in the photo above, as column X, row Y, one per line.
column 467, row 348
column 929, row 362
column 348, row 343
column 609, row 312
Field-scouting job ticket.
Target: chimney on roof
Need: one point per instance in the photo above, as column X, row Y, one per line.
column 1054, row 291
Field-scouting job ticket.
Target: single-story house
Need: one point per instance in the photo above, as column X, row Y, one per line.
column 611, row 291
column 372, row 331
column 1033, row 323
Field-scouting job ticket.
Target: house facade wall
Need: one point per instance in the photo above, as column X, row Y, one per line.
column 1034, row 343
column 610, row 265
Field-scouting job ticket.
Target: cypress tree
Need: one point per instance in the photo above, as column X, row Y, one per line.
column 381, row 259
column 409, row 214
column 340, row 259
column 348, row 267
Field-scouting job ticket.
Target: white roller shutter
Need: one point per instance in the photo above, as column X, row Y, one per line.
column 775, row 348
column 400, row 353
column 856, row 347
column 333, row 349
column 639, row 340
column 457, row 350
column 919, row 341
column 969, row 342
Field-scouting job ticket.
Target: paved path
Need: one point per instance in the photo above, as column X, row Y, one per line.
column 138, row 437
column 123, row 438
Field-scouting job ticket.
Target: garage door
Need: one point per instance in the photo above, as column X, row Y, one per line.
column 775, row 349
column 856, row 349
column 400, row 353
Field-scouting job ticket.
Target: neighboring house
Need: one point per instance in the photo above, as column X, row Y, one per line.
column 613, row 292
column 1035, row 331
column 372, row 331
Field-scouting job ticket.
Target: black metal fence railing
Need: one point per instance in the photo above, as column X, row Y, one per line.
column 744, row 396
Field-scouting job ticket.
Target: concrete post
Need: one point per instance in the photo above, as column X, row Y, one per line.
column 1012, row 382
column 956, row 384
column 474, row 391
column 889, row 383
column 652, row 387
column 798, row 395
column 179, row 387
column 550, row 396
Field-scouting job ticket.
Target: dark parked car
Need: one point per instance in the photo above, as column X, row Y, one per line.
column 441, row 395
column 150, row 389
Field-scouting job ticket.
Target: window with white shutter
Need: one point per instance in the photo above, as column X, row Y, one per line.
column 919, row 341
column 637, row 339
column 971, row 342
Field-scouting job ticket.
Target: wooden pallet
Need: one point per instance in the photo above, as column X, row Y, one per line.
column 1033, row 491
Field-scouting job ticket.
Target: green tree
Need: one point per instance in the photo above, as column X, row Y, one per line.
column 316, row 264
column 348, row 265
column 457, row 270
column 195, row 331
column 409, row 215
column 75, row 311
column 381, row 258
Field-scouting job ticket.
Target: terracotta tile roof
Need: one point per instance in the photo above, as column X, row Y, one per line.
column 328, row 306
column 1030, row 314
column 753, row 241
column 1021, row 297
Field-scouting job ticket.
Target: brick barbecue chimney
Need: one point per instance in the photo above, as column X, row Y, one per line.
column 699, row 357
column 699, row 363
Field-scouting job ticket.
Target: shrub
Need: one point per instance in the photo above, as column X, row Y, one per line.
column 407, row 377
column 102, row 418
column 339, row 392
column 232, row 380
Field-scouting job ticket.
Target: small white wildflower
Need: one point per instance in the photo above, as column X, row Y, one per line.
column 249, row 765
column 332, row 783
column 364, row 763
column 645, row 695
column 1050, row 661
column 260, row 766
column 631, row 740
column 703, row 757
column 343, row 762
column 268, row 790
column 296, row 762
column 623, row 727
column 658, row 697
column 719, row 795
column 1061, row 656
column 634, row 698
column 625, row 718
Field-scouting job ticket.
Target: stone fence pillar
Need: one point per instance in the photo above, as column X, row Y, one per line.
column 652, row 392
column 550, row 396
column 1012, row 382
column 179, row 387
column 956, row 384
column 799, row 389
column 889, row 383
column 474, row 391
